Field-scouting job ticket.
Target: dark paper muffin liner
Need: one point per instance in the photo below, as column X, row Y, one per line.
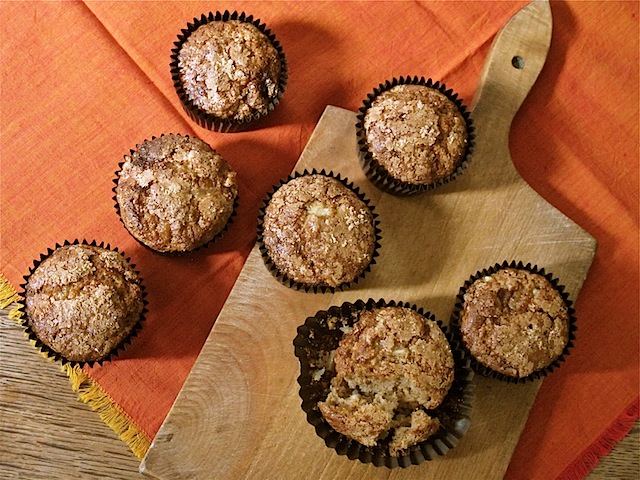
column 375, row 172
column 282, row 277
column 454, row 412
column 488, row 372
column 197, row 114
column 205, row 245
column 48, row 351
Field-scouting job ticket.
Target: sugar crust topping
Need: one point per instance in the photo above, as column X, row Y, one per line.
column 175, row 193
column 514, row 322
column 83, row 301
column 318, row 232
column 416, row 134
column 230, row 69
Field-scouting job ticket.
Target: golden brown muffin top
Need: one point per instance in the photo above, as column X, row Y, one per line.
column 175, row 193
column 514, row 322
column 230, row 69
column 318, row 232
column 416, row 134
column 392, row 366
column 83, row 301
column 397, row 348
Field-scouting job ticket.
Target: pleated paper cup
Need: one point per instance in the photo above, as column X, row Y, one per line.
column 316, row 341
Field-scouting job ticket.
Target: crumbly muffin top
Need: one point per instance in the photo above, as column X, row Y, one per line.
column 175, row 193
column 390, row 368
column 416, row 134
column 230, row 69
column 318, row 232
column 83, row 301
column 514, row 322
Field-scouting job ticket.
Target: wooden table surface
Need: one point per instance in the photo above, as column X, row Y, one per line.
column 45, row 433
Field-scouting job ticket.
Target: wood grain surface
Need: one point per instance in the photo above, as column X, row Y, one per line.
column 242, row 395
column 47, row 434
column 238, row 414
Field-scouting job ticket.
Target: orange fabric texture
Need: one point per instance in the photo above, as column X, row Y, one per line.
column 82, row 83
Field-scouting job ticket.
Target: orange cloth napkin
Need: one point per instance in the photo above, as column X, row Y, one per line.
column 82, row 83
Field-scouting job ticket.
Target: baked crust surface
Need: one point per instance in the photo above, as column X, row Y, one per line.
column 416, row 134
column 175, row 193
column 83, row 301
column 230, row 69
column 318, row 232
column 514, row 322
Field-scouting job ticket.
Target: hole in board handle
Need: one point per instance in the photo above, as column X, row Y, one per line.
column 518, row 62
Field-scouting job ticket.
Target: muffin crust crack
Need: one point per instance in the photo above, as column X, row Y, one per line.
column 83, row 301
column 318, row 232
column 230, row 69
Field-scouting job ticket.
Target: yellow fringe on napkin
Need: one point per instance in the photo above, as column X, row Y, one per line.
column 99, row 401
column 8, row 296
column 88, row 390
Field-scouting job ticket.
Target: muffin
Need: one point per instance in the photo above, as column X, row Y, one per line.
column 381, row 382
column 228, row 70
column 83, row 302
column 514, row 322
column 317, row 232
column 414, row 135
column 390, row 369
column 175, row 193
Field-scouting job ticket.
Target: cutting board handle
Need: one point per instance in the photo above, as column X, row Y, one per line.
column 515, row 60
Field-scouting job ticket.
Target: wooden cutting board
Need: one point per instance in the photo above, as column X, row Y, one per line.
column 238, row 414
